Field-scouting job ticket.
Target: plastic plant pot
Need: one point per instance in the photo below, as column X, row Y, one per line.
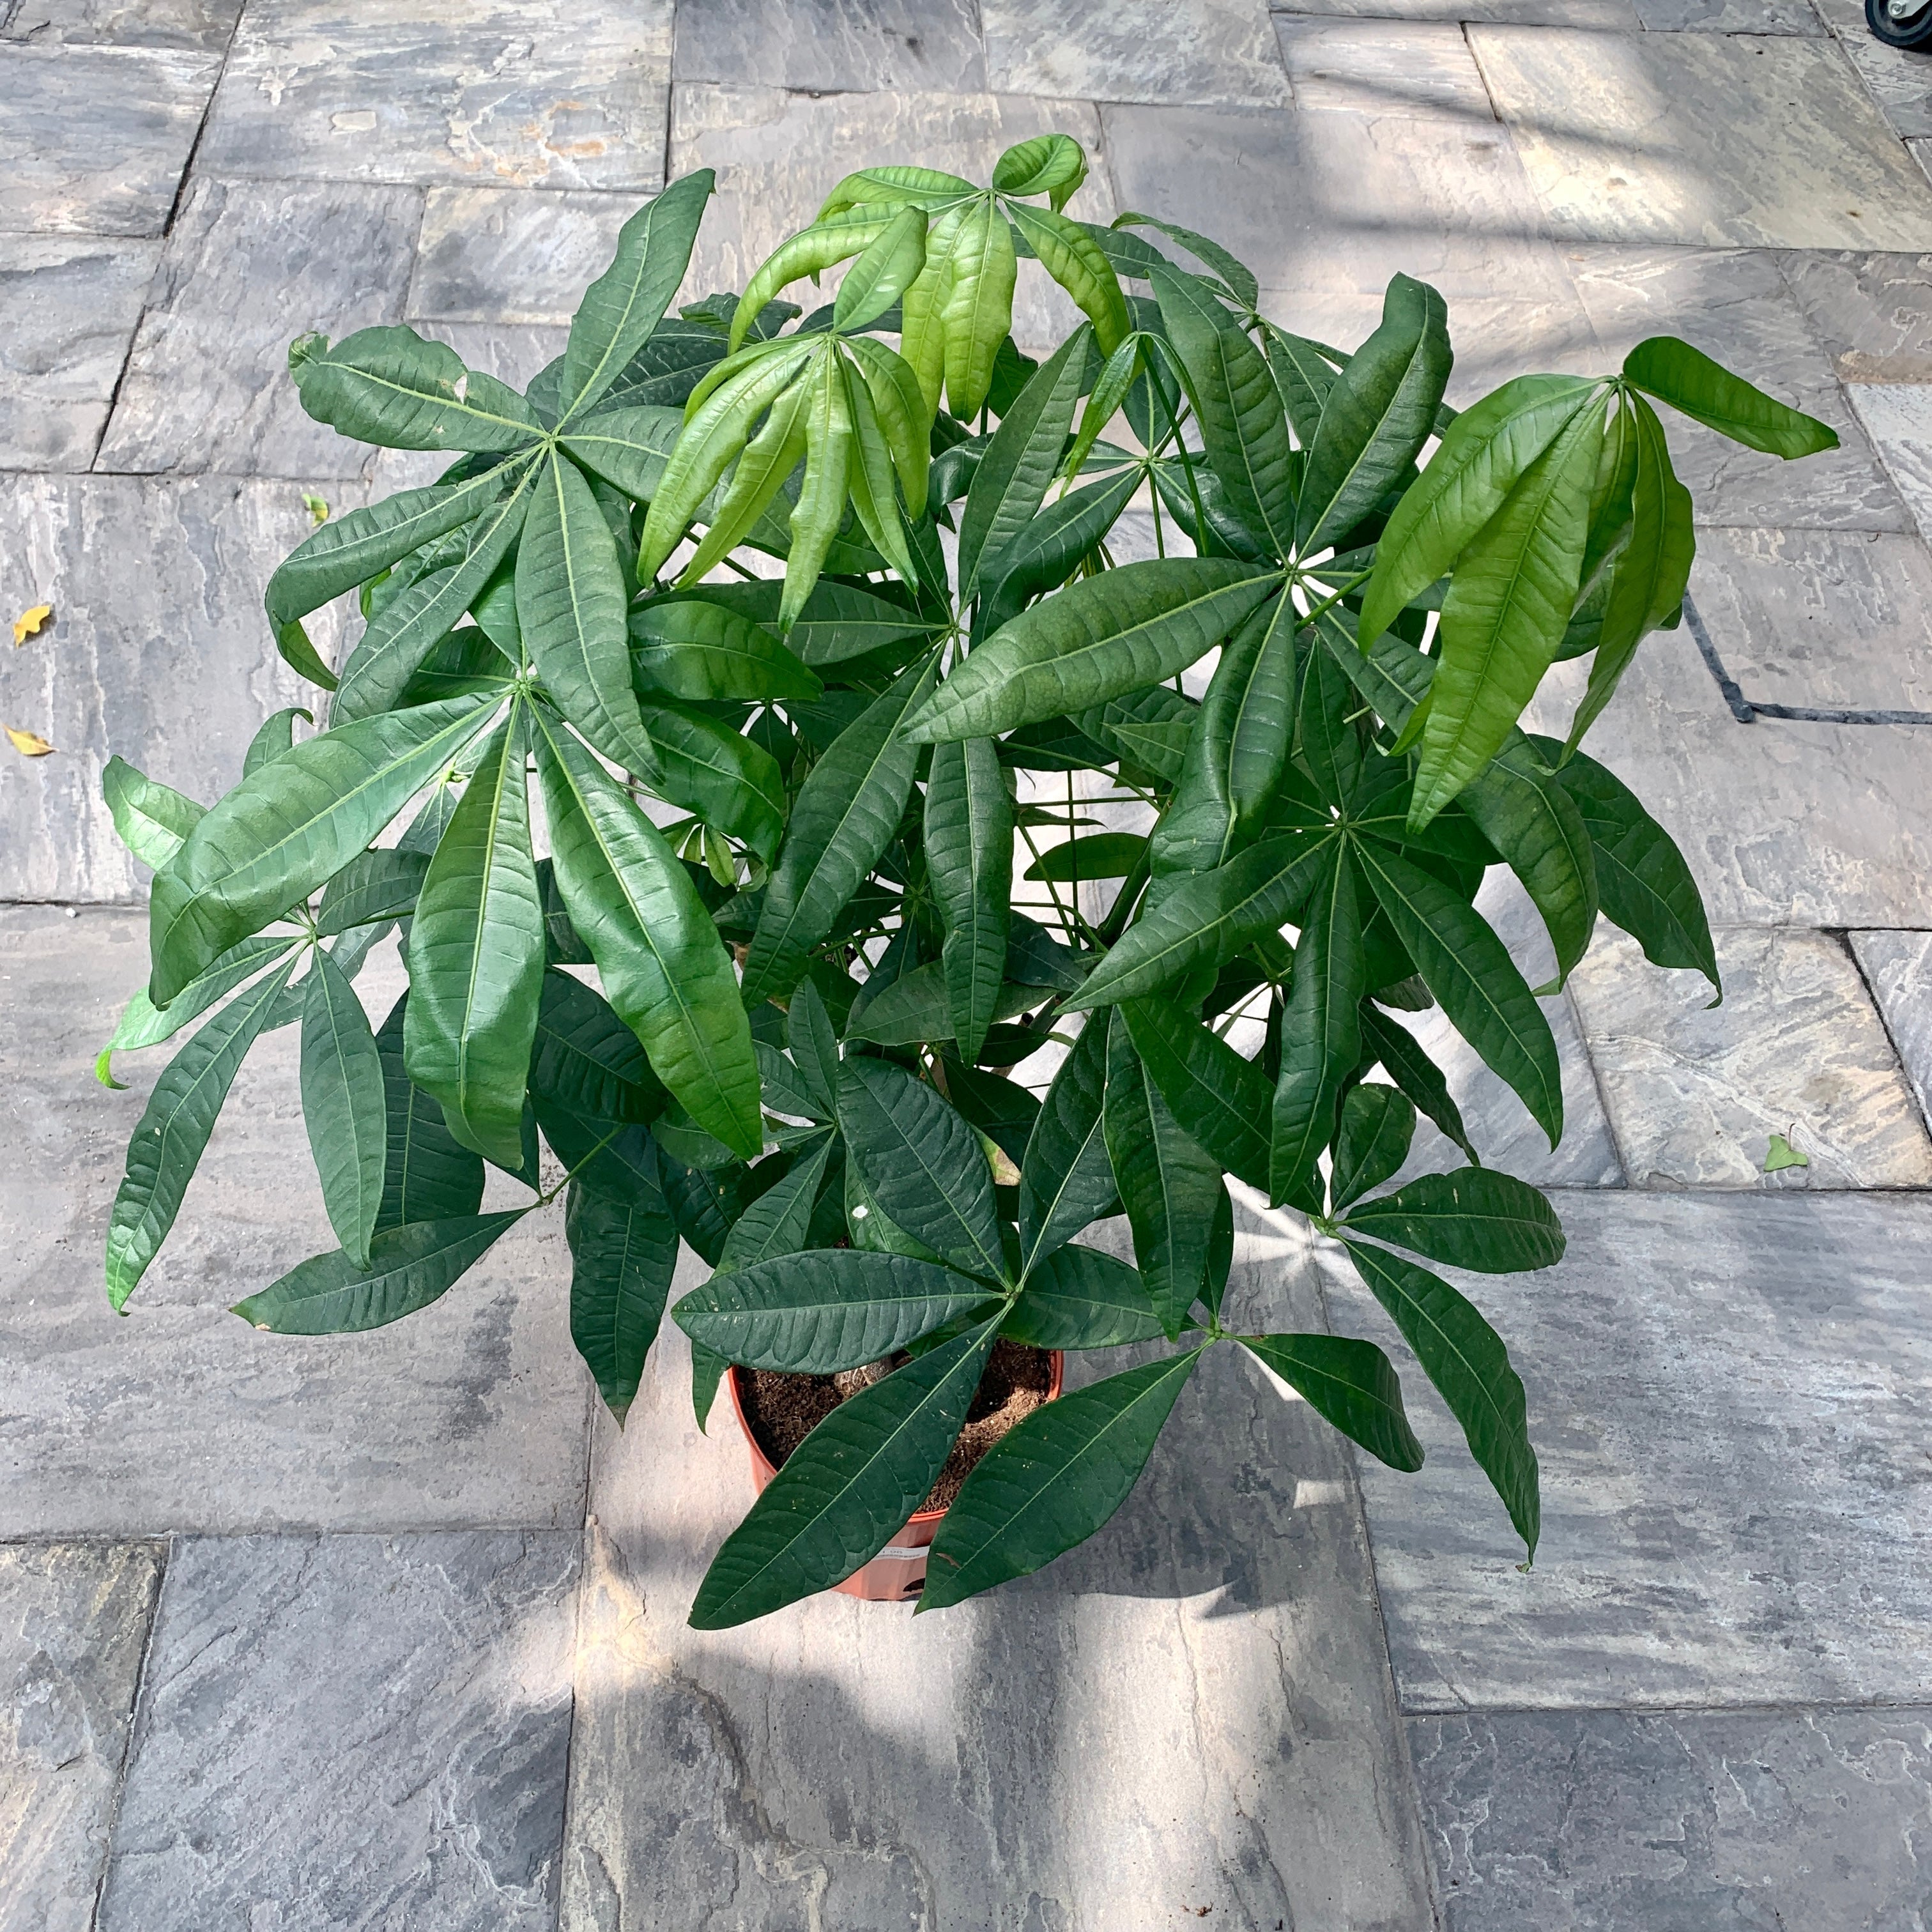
column 898, row 1574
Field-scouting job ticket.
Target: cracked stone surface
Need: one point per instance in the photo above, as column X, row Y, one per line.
column 1726, row 1395
column 375, row 1727
column 838, row 45
column 1872, row 312
column 1190, row 1710
column 178, row 1416
column 73, row 1624
column 1693, row 1822
column 202, row 26
column 1897, row 967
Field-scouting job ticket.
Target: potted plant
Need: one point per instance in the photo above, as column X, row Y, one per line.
column 778, row 614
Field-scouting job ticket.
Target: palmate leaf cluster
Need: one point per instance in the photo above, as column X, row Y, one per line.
column 696, row 712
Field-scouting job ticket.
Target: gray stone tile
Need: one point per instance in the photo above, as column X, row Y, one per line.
column 1873, row 312
column 1736, row 307
column 833, row 46
column 1782, row 823
column 1730, row 16
column 157, row 649
column 375, row 1729
column 1337, row 202
column 208, row 386
column 1897, row 967
column 1726, row 1395
column 93, row 140
column 1189, row 1711
column 1598, row 13
column 67, row 310
column 73, row 1624
column 1842, row 17
column 1381, row 66
column 179, row 1417
column 509, row 256
column 1900, row 83
column 1695, row 1821
column 1694, row 1092
column 520, row 91
column 202, row 25
column 1721, row 139
column 754, row 137
column 1211, row 53
column 1898, row 417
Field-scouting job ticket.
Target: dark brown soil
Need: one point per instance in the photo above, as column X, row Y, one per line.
column 783, row 1410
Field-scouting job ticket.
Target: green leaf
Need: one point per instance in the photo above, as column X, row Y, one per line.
column 1474, row 1218
column 707, row 1371
column 1219, row 1098
column 374, row 887
column 1482, row 454
column 627, row 448
column 1044, row 554
column 1098, row 855
column 344, row 1104
column 1168, row 1183
column 728, row 780
column 689, row 647
column 831, row 239
column 1320, row 1033
column 292, row 645
column 1646, row 887
column 1378, row 1124
column 142, row 1025
column 1779, row 1154
column 836, row 622
column 167, row 1145
column 664, row 966
column 894, row 186
column 1349, row 1383
column 153, row 820
column 1050, row 164
column 1238, row 276
column 1206, row 918
column 1079, row 265
column 278, row 836
column 846, row 814
column 1379, row 413
column 1470, row 972
column 976, row 271
column 1686, row 378
column 408, row 1268
column 814, row 1048
column 1052, row 1481
column 777, row 1222
column 787, row 1090
column 1330, row 746
column 969, row 852
column 623, row 1254
column 1243, row 428
column 1100, row 639
column 429, row 1175
column 1304, row 374
column 853, row 1482
column 586, row 1060
column 1080, row 1298
column 389, row 386
column 1417, row 1077
column 825, row 1310
column 275, row 735
column 916, row 1009
column 1066, row 1178
column 620, row 309
column 1508, row 604
column 921, row 1162
column 1465, row 1358
column 883, row 272
column 475, row 958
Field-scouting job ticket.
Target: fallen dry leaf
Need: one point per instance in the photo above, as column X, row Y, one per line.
column 29, row 622
column 28, row 744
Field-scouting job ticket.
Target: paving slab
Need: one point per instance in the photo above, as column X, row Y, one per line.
column 522, row 91
column 1336, row 202
column 203, row 25
column 1381, row 66
column 754, row 137
column 68, row 306
column 180, row 1417
column 1898, row 417
column 1190, row 1711
column 510, row 256
column 369, row 1731
column 74, row 1624
column 140, row 107
column 157, row 649
column 833, row 46
column 1872, row 312
column 1725, row 1393
column 1900, row 83
column 1782, row 822
column 1600, row 13
column 1730, row 16
column 1736, row 307
column 208, row 386
column 1728, row 140
column 1694, row 1091
column 1897, row 967
column 1209, row 52
column 1695, row 1821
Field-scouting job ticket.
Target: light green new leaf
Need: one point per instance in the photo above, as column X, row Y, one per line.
column 1080, row 1298
column 1350, row 1383
column 344, row 1104
column 623, row 1254
column 846, row 1488
column 882, row 274
column 1474, row 1218
column 390, row 386
column 1052, row 1481
column 1054, row 165
column 1464, row 1357
column 1686, row 378
column 1079, row 265
column 899, row 407
column 1320, row 1031
column 1066, row 1178
column 976, row 274
column 896, row 185
column 152, row 819
column 831, row 239
column 830, row 441
column 969, row 853
column 1378, row 1124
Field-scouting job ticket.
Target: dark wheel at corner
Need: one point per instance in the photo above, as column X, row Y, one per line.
column 1900, row 23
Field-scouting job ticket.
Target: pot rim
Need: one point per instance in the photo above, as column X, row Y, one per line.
column 767, row 1468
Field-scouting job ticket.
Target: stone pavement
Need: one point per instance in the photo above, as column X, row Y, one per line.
column 388, row 1633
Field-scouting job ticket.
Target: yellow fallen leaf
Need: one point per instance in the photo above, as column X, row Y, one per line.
column 317, row 508
column 28, row 744
column 29, row 622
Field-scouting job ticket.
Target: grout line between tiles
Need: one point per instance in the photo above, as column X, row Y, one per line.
column 134, row 1714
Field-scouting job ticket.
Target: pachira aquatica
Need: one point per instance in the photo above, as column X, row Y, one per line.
column 782, row 618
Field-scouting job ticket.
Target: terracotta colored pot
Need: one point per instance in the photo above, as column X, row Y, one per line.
column 898, row 1574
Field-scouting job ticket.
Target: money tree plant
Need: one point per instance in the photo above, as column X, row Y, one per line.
column 791, row 623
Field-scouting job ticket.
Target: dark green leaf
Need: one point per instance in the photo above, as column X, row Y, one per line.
column 814, row 1042
column 1043, row 554
column 969, row 853
column 1098, row 855
column 917, row 1009
column 728, row 780
column 1686, row 378
column 1378, row 1124
column 344, row 1105
column 429, row 1175
column 1351, row 1384
column 374, row 887
column 687, row 647
column 1474, row 1218
column 1417, row 1076
column 1080, row 1298
column 623, row 1254
column 1220, row 1100
column 777, row 1223
column 1320, row 1034
column 1066, row 1179
column 586, row 1060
